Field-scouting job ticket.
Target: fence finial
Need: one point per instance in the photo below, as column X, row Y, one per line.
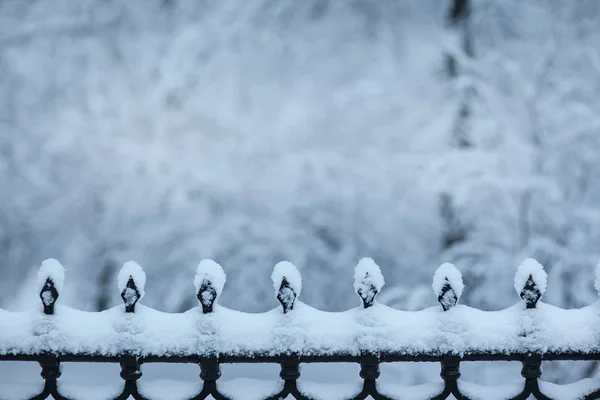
column 287, row 282
column 368, row 281
column 51, row 278
column 447, row 285
column 530, row 281
column 209, row 282
column 131, row 281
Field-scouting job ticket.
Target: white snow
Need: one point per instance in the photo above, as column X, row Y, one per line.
column 20, row 387
column 572, row 391
column 249, row 389
column 307, row 331
column 330, row 195
column 169, row 389
column 285, row 269
column 507, row 390
column 131, row 269
column 415, row 392
column 449, row 272
column 460, row 330
column 86, row 391
column 597, row 280
column 366, row 274
column 53, row 269
column 530, row 267
column 212, row 271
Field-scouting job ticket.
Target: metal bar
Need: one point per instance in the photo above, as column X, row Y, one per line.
column 328, row 358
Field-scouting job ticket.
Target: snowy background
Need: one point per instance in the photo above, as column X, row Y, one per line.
column 314, row 131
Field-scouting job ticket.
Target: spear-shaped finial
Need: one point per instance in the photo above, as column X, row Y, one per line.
column 131, row 281
column 287, row 283
column 368, row 281
column 209, row 282
column 50, row 278
column 447, row 285
column 530, row 281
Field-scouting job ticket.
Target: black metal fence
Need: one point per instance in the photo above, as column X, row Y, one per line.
column 290, row 361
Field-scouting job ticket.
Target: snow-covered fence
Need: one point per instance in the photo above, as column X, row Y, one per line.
column 371, row 334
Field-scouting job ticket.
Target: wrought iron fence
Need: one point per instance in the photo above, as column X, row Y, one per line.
column 530, row 286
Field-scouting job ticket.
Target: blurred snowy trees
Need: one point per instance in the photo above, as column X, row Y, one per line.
column 314, row 131
column 535, row 77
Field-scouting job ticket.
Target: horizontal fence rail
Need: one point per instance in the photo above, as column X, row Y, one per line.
column 210, row 335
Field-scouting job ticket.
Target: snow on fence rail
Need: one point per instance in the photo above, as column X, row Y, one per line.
column 296, row 333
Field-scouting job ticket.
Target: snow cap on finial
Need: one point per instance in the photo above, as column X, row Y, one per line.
column 530, row 281
column 51, row 269
column 209, row 282
column 50, row 281
column 447, row 285
column 132, row 270
column 368, row 280
column 287, row 283
column 131, row 282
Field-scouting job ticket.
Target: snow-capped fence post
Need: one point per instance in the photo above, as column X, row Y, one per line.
column 368, row 281
column 447, row 285
column 287, row 283
column 530, row 282
column 209, row 282
column 131, row 282
column 51, row 277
